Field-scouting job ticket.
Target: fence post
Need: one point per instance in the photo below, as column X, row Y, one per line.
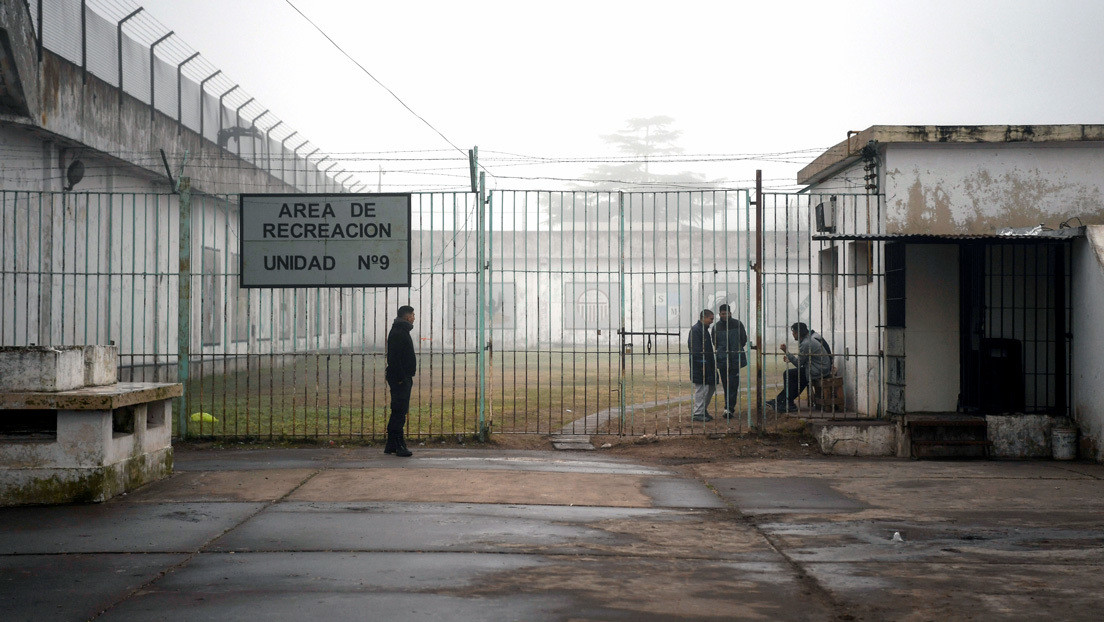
column 119, row 45
column 184, row 301
column 621, row 280
column 759, row 371
column 481, row 296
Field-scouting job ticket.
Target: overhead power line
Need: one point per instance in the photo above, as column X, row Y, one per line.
column 375, row 79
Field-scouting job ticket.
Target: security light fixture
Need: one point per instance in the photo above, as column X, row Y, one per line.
column 826, row 218
column 74, row 174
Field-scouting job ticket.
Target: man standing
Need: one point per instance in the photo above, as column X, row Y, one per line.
column 703, row 366
column 730, row 337
column 811, row 362
column 401, row 367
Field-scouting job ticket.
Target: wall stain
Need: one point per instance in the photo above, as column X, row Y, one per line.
column 984, row 201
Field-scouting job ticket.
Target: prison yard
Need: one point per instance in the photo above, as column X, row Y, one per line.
column 343, row 396
column 199, row 420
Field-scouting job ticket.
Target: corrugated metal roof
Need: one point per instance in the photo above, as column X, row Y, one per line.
column 1003, row 235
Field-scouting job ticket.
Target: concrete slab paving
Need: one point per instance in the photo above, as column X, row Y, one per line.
column 296, row 606
column 893, row 468
column 72, row 587
column 773, row 495
column 519, row 461
column 245, row 485
column 963, row 591
column 353, row 526
column 117, row 527
column 474, row 486
column 348, row 533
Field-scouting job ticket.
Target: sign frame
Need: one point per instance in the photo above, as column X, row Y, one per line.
column 320, row 198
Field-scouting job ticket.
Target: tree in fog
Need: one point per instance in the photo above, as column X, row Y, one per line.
column 640, row 143
column 643, row 145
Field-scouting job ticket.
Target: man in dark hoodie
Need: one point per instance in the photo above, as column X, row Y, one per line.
column 401, row 367
column 731, row 338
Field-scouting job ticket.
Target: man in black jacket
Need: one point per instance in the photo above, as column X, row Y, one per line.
column 703, row 367
column 731, row 337
column 401, row 367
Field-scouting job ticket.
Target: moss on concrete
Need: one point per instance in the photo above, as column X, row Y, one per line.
column 55, row 486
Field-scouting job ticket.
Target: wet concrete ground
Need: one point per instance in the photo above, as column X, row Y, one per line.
column 351, row 534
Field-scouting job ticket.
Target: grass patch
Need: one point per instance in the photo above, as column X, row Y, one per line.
column 328, row 395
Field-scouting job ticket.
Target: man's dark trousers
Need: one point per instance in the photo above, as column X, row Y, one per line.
column 730, row 380
column 795, row 380
column 400, row 404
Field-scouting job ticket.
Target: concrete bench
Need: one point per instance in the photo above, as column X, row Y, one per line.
column 86, row 444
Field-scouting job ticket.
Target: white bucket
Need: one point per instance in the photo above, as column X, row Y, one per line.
column 1063, row 443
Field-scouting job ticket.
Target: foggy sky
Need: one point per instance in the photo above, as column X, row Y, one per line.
column 549, row 79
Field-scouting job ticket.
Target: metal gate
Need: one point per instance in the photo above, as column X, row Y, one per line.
column 538, row 311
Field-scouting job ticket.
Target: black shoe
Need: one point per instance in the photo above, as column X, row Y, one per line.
column 705, row 417
column 789, row 408
column 728, row 414
column 400, row 448
column 392, row 444
column 771, row 404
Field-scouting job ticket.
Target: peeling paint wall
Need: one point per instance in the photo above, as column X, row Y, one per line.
column 955, row 189
column 1087, row 294
column 932, row 361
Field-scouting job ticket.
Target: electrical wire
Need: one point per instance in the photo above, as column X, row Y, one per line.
column 377, row 80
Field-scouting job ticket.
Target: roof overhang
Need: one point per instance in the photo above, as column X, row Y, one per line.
column 847, row 152
column 1032, row 234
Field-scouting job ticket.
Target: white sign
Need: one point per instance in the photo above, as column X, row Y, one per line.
column 325, row 240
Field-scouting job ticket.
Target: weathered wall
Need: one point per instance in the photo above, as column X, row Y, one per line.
column 931, row 333
column 978, row 188
column 1088, row 330
column 67, row 109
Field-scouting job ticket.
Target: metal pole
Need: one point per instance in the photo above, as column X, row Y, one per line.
column 221, row 97
column 119, row 39
column 237, row 119
column 325, row 179
column 184, row 300
column 38, row 39
column 203, row 83
column 84, row 39
column 253, row 126
column 760, row 359
column 306, row 167
column 152, row 58
column 282, row 143
column 179, row 77
column 268, row 146
column 621, row 280
column 294, row 167
column 481, row 296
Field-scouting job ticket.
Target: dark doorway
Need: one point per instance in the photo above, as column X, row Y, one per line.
column 1014, row 327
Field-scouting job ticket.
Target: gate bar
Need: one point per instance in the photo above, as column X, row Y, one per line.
column 759, row 370
column 184, row 300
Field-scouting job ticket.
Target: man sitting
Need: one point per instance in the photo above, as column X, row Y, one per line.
column 811, row 363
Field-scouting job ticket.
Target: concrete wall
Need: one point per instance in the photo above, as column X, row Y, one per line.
column 932, row 361
column 86, row 116
column 1088, row 336
column 977, row 188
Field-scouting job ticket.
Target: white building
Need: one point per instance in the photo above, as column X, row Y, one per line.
column 992, row 245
